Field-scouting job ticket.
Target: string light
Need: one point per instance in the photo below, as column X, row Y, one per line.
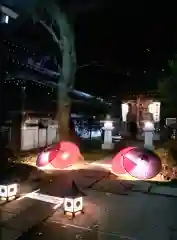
column 14, row 51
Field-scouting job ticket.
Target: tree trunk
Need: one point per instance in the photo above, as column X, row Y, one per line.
column 63, row 113
column 66, row 81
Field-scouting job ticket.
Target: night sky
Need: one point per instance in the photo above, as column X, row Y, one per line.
column 135, row 43
column 132, row 41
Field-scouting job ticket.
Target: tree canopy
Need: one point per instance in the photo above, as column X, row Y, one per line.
column 168, row 90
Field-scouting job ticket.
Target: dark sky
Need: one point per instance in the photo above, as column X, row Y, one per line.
column 134, row 42
column 132, row 39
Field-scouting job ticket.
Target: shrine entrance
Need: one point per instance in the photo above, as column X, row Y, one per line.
column 141, row 109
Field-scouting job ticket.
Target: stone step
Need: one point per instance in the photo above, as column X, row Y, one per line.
column 30, row 217
column 141, row 186
column 164, row 190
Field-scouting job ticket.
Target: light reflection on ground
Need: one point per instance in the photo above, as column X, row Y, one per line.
column 126, row 176
column 105, row 166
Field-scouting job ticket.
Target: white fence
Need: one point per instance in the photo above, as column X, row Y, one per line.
column 34, row 137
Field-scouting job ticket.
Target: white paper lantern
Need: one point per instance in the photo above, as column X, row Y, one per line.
column 154, row 108
column 73, row 205
column 9, row 192
column 125, row 109
column 73, row 201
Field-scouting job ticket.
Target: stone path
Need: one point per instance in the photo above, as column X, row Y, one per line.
column 133, row 217
column 164, row 190
column 114, row 209
column 20, row 215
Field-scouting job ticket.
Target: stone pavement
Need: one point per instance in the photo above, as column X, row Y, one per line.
column 17, row 219
column 114, row 209
column 110, row 216
column 105, row 162
column 19, row 215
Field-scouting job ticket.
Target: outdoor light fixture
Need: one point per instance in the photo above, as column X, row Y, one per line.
column 9, row 192
column 4, row 19
column 148, row 134
column 108, row 125
column 148, row 125
column 73, row 201
column 125, row 109
column 154, row 108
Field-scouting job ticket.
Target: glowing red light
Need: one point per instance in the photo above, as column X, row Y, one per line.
column 117, row 162
column 140, row 163
column 59, row 156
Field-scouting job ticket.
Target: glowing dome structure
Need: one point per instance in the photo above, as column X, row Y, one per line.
column 140, row 163
column 58, row 156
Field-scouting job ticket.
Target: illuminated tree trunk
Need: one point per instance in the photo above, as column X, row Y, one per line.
column 66, row 82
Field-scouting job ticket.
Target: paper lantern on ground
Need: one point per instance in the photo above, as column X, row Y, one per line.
column 59, row 156
column 9, row 191
column 73, row 200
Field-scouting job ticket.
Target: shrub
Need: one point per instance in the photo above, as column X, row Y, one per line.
column 168, row 156
column 171, row 148
column 165, row 156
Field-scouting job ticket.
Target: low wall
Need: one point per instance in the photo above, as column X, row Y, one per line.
column 35, row 137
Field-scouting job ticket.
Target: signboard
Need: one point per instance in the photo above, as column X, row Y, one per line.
column 125, row 109
column 154, row 108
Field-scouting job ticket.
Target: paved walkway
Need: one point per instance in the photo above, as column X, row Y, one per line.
column 114, row 208
column 20, row 215
column 135, row 216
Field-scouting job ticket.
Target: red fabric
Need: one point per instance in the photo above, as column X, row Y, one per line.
column 128, row 165
column 117, row 162
column 67, row 154
column 61, row 155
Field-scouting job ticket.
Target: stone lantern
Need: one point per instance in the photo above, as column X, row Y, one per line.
column 148, row 134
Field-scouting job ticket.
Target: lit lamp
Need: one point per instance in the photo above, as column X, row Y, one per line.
column 73, row 201
column 148, row 134
column 108, row 127
column 9, row 192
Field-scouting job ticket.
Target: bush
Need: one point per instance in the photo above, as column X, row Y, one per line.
column 168, row 156
column 165, row 156
column 171, row 148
